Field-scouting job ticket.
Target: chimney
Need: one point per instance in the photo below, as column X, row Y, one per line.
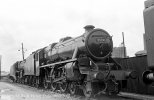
column 88, row 28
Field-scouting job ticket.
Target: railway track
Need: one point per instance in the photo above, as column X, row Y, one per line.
column 101, row 96
column 136, row 96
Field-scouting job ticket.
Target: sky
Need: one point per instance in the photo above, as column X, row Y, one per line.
column 38, row 23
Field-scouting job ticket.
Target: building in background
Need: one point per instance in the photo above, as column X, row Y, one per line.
column 119, row 52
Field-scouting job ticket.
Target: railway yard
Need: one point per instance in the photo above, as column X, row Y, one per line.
column 15, row 91
column 84, row 68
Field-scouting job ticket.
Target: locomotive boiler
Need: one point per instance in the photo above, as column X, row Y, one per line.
column 75, row 64
column 95, row 43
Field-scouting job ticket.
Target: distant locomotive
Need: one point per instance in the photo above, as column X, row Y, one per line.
column 81, row 63
column 15, row 71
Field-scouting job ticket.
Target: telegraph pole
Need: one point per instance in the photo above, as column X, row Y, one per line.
column 22, row 50
column 123, row 42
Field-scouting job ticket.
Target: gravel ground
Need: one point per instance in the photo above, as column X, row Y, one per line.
column 14, row 91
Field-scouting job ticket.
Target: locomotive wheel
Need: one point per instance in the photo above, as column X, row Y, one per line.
column 30, row 80
column 37, row 82
column 26, row 80
column 17, row 80
column 45, row 83
column 21, row 80
column 72, row 88
column 54, row 86
column 33, row 81
column 113, row 87
column 63, row 86
column 87, row 93
column 118, row 88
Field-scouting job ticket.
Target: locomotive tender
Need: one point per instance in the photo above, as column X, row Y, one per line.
column 73, row 64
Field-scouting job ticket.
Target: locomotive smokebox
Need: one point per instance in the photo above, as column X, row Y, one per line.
column 98, row 42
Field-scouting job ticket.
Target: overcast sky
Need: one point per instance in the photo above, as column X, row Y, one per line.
column 37, row 23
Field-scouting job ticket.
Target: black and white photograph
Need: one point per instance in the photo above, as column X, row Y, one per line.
column 76, row 49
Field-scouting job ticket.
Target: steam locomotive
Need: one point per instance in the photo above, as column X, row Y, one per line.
column 76, row 64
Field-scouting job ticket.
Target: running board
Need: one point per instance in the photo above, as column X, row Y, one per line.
column 57, row 63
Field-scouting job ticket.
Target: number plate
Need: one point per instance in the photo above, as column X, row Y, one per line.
column 100, row 40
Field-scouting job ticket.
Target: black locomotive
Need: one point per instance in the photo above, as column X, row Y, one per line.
column 73, row 64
